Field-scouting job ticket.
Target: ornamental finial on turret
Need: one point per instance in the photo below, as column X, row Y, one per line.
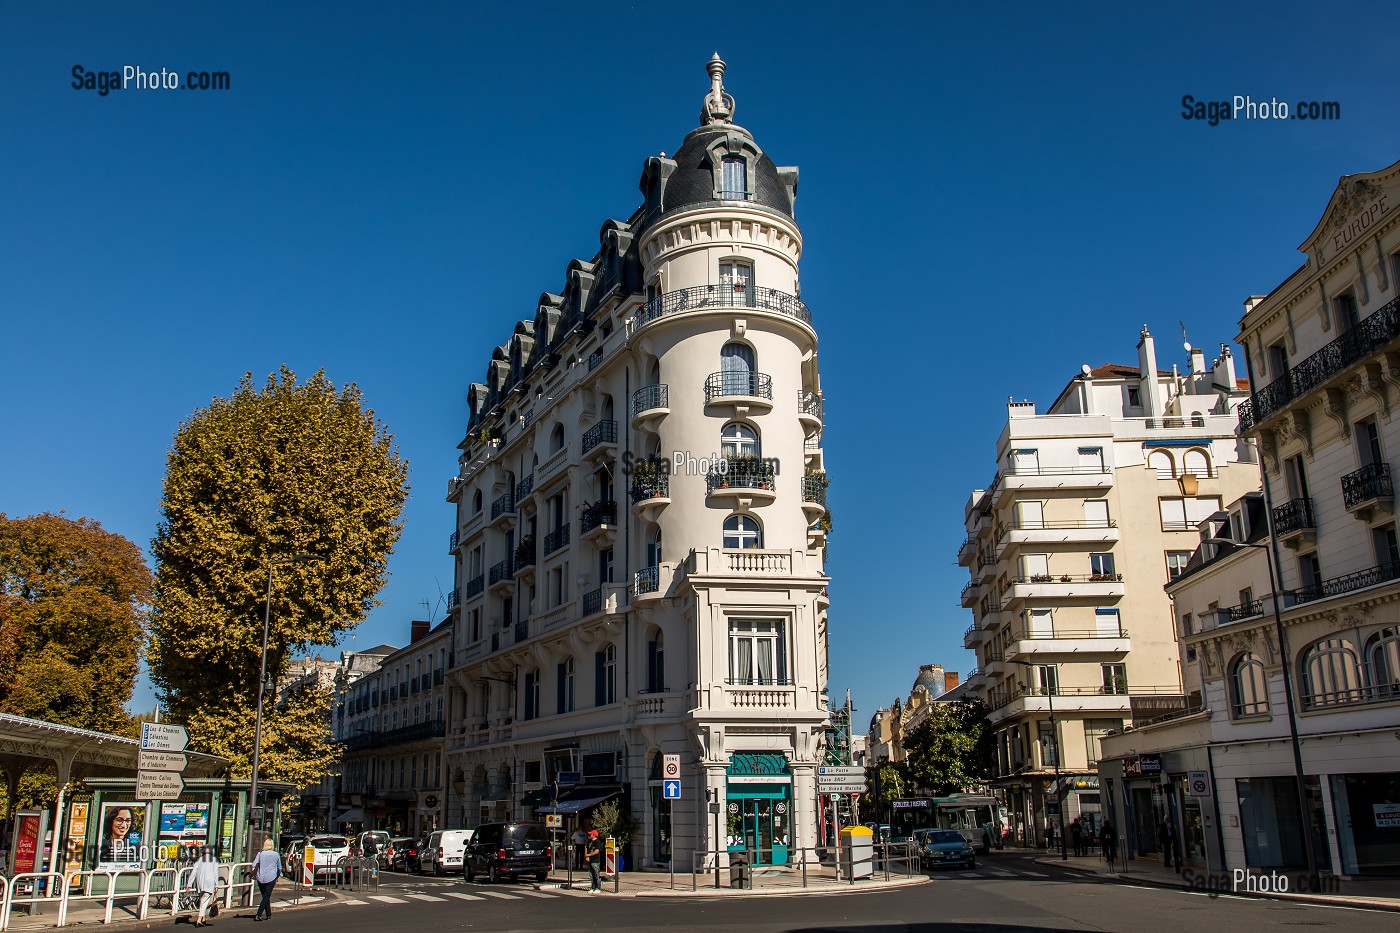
column 719, row 106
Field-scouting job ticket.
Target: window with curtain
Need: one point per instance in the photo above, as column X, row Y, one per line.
column 737, row 439
column 742, row 531
column 756, row 655
column 737, row 366
column 1249, row 687
column 735, row 178
column 1383, row 658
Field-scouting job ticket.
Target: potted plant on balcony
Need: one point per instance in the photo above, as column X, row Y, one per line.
column 1066, row 578
column 1041, row 578
column 525, row 550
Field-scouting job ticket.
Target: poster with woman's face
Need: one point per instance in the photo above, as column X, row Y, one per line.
column 119, row 841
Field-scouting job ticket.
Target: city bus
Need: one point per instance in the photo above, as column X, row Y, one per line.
column 976, row 816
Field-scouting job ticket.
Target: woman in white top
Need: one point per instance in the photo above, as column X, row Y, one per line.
column 204, row 878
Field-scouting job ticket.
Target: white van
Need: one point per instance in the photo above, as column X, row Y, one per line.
column 443, row 853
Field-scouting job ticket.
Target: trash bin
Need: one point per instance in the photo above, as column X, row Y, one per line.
column 857, row 852
column 738, row 870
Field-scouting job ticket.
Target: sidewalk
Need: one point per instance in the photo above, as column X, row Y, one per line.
column 124, row 909
column 1370, row 893
column 767, row 880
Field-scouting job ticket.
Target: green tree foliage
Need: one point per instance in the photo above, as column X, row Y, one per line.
column 73, row 607
column 952, row 750
column 885, row 782
column 251, row 480
column 610, row 819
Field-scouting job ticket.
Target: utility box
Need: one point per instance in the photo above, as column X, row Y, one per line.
column 739, row 869
column 857, row 852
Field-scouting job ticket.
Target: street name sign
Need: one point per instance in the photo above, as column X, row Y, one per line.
column 150, row 760
column 164, row 737
column 845, row 787
column 159, row 785
column 841, row 771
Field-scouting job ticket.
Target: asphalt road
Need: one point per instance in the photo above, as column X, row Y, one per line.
column 1010, row 893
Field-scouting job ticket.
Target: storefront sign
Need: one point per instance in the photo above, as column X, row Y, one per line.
column 77, row 832
column 430, row 801
column 1140, row 765
column 1387, row 815
column 760, row 779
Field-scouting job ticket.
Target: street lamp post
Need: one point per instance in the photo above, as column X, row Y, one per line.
column 1276, row 585
column 262, row 685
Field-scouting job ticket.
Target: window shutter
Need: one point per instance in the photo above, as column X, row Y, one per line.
column 600, row 687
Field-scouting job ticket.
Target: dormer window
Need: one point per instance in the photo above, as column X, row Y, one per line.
column 735, row 178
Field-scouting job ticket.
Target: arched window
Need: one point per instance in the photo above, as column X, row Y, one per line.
column 1249, row 687
column 742, row 531
column 1162, row 462
column 476, row 502
column 1331, row 673
column 654, row 550
column 738, row 440
column 1196, row 463
column 556, row 439
column 607, row 408
column 1383, row 660
column 605, row 676
column 656, row 662
column 737, row 366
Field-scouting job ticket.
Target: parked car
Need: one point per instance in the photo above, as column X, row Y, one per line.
column 413, row 855
column 394, row 857
column 443, row 851
column 329, row 851
column 507, row 851
column 945, row 848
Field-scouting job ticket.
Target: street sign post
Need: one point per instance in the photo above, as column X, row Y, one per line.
column 553, row 820
column 164, row 737
column 150, row 760
column 670, row 766
column 159, row 785
column 841, row 771
column 671, row 790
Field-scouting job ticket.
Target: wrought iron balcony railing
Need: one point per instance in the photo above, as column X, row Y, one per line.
column 723, row 295
column 502, row 505
column 600, row 513
column 453, row 540
column 593, row 601
column 525, row 553
column 810, row 403
column 1362, row 340
column 475, row 585
column 500, row 571
column 646, row 580
column 524, row 487
column 454, row 598
column 1367, row 484
column 1293, row 516
column 743, row 474
column 604, row 432
column 1382, row 573
column 649, row 397
column 725, row 384
column 651, row 486
column 814, row 489
column 556, row 539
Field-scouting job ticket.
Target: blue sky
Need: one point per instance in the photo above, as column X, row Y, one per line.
column 990, row 197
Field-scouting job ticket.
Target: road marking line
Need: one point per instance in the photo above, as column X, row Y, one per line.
column 426, row 897
column 462, row 896
column 1000, row 873
column 502, row 895
column 353, row 901
column 386, row 899
column 969, row 874
column 1035, row 874
column 536, row 893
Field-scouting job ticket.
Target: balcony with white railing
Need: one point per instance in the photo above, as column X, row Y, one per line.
column 1033, row 533
column 1040, row 479
column 1084, row 700
column 1065, row 588
column 663, row 704
column 1069, row 645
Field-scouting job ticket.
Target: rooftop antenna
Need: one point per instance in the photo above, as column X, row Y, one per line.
column 1184, row 342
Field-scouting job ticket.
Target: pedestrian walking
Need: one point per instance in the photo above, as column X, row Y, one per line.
column 1076, row 837
column 580, row 838
column 204, row 879
column 1166, row 839
column 1108, row 838
column 593, row 853
column 266, row 869
column 1049, row 835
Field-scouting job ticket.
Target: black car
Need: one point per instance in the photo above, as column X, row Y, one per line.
column 507, row 851
column 413, row 856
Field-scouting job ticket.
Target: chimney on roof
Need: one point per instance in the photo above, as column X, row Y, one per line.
column 418, row 629
column 950, row 680
column 1224, row 374
column 1198, row 361
column 1147, row 370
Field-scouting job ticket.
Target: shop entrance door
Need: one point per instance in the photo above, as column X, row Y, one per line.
column 762, row 829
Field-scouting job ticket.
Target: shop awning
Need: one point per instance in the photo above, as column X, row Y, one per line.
column 351, row 816
column 535, row 798
column 579, row 800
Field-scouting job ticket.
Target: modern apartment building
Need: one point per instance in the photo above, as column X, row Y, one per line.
column 1324, row 352
column 639, row 535
column 1092, row 509
column 392, row 723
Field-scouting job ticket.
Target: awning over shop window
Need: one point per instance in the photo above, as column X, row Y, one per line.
column 535, row 798
column 351, row 816
column 578, row 800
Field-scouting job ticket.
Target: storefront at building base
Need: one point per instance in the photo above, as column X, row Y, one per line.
column 758, row 807
column 1033, row 803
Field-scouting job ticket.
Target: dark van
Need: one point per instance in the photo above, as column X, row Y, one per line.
column 507, row 851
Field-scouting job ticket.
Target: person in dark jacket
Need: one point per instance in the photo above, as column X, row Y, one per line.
column 1166, row 840
column 1108, row 838
column 1076, row 836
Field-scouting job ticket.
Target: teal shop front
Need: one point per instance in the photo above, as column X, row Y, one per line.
column 759, row 808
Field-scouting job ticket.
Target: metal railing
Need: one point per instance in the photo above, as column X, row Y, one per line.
column 814, row 490
column 502, row 505
column 810, row 403
column 649, row 397
column 1367, row 484
column 593, row 601
column 1070, row 578
column 454, row 598
column 779, row 867
column 1362, row 340
column 743, row 474
column 653, row 486
column 723, row 295
column 475, row 585
column 1035, row 470
column 556, row 539
column 453, row 540
column 1027, row 635
column 500, row 571
column 604, row 432
column 646, row 580
column 525, row 553
column 746, row 384
column 1352, row 696
column 598, row 514
column 1382, row 573
column 524, row 487
column 1293, row 516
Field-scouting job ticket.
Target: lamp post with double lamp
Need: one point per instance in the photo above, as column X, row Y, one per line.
column 262, row 685
column 1055, row 740
column 1276, row 586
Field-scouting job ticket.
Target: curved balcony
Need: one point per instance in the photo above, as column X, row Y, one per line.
column 751, row 481
column 1294, row 522
column 1070, row 644
column 651, row 492
column 722, row 297
column 809, row 412
column 650, row 404
column 600, row 440
column 598, row 524
column 740, row 392
column 814, row 496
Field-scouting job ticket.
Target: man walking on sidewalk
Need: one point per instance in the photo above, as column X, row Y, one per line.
column 1166, row 839
column 1108, row 836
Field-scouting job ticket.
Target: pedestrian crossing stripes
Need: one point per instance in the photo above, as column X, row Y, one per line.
column 534, row 893
column 426, row 897
column 462, row 896
column 1035, row 874
column 1001, row 874
column 354, row 903
column 386, row 899
column 502, row 895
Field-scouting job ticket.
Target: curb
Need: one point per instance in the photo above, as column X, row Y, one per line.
column 1321, row 900
column 760, row 892
column 163, row 918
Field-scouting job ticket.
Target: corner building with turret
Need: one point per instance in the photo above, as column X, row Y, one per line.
column 621, row 595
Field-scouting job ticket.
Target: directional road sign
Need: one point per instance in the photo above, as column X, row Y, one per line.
column 164, row 737
column 671, row 766
column 159, row 785
column 841, row 770
column 844, row 787
column 671, row 790
column 148, row 760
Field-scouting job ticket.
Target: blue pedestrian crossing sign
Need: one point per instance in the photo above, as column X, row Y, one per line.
column 671, row 790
